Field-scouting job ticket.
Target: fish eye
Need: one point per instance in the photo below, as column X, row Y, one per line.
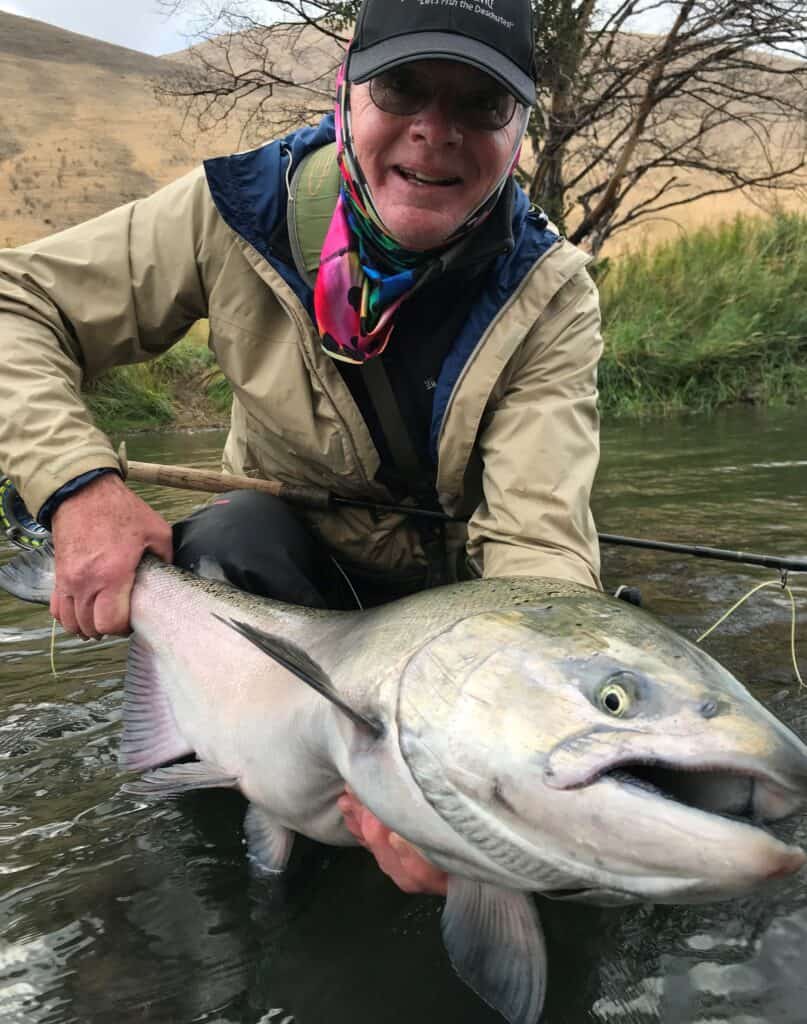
column 614, row 699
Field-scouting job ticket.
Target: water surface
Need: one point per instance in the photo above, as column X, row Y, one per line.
column 112, row 911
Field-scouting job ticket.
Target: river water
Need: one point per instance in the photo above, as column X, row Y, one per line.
column 115, row 912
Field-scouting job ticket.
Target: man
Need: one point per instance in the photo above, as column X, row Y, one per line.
column 397, row 323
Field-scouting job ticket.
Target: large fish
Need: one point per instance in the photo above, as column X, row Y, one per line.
column 527, row 735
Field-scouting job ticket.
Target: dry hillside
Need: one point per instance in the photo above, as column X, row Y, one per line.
column 80, row 129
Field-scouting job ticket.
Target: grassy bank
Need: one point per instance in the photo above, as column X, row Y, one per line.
column 716, row 318
column 183, row 388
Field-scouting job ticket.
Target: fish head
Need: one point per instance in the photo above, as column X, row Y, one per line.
column 577, row 745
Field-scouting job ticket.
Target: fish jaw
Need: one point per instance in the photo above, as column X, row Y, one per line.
column 706, row 790
column 672, row 853
column 611, row 836
column 632, row 840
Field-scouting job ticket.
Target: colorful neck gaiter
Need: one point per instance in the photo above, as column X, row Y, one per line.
column 364, row 273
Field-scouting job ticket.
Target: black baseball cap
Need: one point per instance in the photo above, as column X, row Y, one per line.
column 495, row 36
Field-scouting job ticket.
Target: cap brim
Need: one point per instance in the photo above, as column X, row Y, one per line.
column 390, row 53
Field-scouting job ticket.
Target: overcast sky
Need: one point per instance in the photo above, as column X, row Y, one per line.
column 138, row 24
column 144, row 26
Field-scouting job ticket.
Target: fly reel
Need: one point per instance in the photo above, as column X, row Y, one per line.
column 16, row 521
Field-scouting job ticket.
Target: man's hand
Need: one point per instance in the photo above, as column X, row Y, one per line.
column 404, row 864
column 100, row 535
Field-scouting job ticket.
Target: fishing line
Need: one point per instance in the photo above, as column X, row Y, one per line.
column 53, row 649
column 347, row 580
column 767, row 583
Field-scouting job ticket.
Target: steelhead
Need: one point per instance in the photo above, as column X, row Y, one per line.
column 528, row 735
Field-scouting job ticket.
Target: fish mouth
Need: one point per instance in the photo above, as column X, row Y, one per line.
column 735, row 793
column 757, row 779
column 740, row 804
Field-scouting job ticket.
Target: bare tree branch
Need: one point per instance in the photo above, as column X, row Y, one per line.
column 629, row 123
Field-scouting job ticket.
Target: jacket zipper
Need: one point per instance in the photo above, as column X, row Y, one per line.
column 305, row 331
column 479, row 345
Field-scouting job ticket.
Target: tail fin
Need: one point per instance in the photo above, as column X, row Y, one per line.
column 30, row 576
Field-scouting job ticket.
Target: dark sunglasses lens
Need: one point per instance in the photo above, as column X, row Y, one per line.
column 405, row 93
column 488, row 111
column 399, row 92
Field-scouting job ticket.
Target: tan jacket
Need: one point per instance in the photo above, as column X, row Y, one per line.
column 519, row 443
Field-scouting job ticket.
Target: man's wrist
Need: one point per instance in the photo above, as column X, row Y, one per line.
column 46, row 513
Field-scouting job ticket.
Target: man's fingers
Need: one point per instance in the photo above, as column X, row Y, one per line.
column 84, row 607
column 111, row 611
column 360, row 822
column 105, row 613
column 100, row 534
column 347, row 807
column 65, row 613
column 422, row 875
column 404, row 849
column 404, row 863
column 163, row 547
column 375, row 834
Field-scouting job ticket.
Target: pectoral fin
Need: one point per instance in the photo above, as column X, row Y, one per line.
column 269, row 844
column 295, row 659
column 180, row 778
column 494, row 939
column 150, row 733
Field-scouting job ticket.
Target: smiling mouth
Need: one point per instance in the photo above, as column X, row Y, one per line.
column 416, row 178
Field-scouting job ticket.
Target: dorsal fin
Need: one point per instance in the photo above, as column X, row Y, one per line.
column 295, row 659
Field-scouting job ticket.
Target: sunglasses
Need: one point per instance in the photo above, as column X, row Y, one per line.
column 404, row 92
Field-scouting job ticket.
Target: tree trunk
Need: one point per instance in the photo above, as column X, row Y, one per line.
column 548, row 188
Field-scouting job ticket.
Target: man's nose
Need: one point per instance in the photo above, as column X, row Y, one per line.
column 437, row 122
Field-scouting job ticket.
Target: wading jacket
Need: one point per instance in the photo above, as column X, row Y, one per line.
column 515, row 427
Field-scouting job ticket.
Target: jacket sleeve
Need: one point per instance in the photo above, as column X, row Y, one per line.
column 118, row 289
column 540, row 449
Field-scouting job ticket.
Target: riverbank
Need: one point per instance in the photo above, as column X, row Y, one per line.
column 183, row 388
column 714, row 319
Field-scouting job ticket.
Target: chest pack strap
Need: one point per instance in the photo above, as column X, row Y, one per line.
column 393, row 426
column 313, row 191
column 408, row 466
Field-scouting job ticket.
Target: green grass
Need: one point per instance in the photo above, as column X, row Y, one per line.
column 150, row 395
column 716, row 318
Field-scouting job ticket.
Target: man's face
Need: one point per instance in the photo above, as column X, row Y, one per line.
column 428, row 171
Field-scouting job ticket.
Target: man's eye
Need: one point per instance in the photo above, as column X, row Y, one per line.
column 403, row 84
column 492, row 101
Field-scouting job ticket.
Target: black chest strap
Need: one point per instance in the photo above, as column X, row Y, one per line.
column 399, row 441
column 408, row 465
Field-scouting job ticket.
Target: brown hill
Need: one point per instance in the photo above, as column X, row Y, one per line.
column 81, row 130
column 299, row 54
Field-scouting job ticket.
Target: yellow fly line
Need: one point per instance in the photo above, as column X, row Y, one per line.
column 767, row 583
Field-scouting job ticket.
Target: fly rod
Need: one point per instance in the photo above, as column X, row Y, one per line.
column 312, row 496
